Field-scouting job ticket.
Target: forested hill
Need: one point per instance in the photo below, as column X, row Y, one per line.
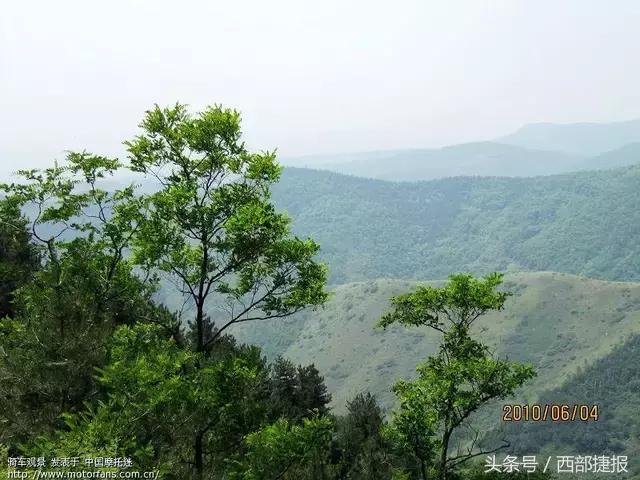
column 584, row 223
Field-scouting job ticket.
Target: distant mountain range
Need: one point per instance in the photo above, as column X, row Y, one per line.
column 537, row 149
column 586, row 139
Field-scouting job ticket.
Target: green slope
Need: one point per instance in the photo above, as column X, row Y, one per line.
column 585, row 223
column 558, row 322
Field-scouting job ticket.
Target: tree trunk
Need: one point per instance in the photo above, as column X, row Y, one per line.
column 423, row 469
column 199, row 324
column 198, row 458
column 442, row 467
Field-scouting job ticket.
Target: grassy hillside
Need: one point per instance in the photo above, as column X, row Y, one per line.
column 472, row 159
column 576, row 138
column 585, row 223
column 558, row 322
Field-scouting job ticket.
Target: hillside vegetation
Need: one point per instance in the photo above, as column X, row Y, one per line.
column 558, row 322
column 580, row 334
column 584, row 223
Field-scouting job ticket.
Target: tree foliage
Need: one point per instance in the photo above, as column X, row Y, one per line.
column 211, row 227
column 458, row 380
column 65, row 312
column 364, row 451
column 175, row 393
column 287, row 451
column 19, row 258
column 297, row 392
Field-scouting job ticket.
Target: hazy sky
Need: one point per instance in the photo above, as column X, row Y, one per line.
column 312, row 77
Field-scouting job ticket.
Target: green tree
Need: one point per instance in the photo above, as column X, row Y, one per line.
column 458, row 380
column 363, row 449
column 211, row 229
column 284, row 450
column 66, row 311
column 19, row 258
column 211, row 226
column 297, row 392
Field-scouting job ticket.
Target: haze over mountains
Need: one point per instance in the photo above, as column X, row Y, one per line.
column 576, row 138
column 536, row 149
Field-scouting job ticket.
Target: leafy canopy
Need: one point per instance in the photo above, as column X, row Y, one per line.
column 211, row 227
column 457, row 381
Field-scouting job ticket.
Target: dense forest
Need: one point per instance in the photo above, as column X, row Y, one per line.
column 93, row 365
column 584, row 223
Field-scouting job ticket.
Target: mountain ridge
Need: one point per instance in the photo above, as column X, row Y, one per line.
column 534, row 149
column 583, row 138
column 472, row 158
